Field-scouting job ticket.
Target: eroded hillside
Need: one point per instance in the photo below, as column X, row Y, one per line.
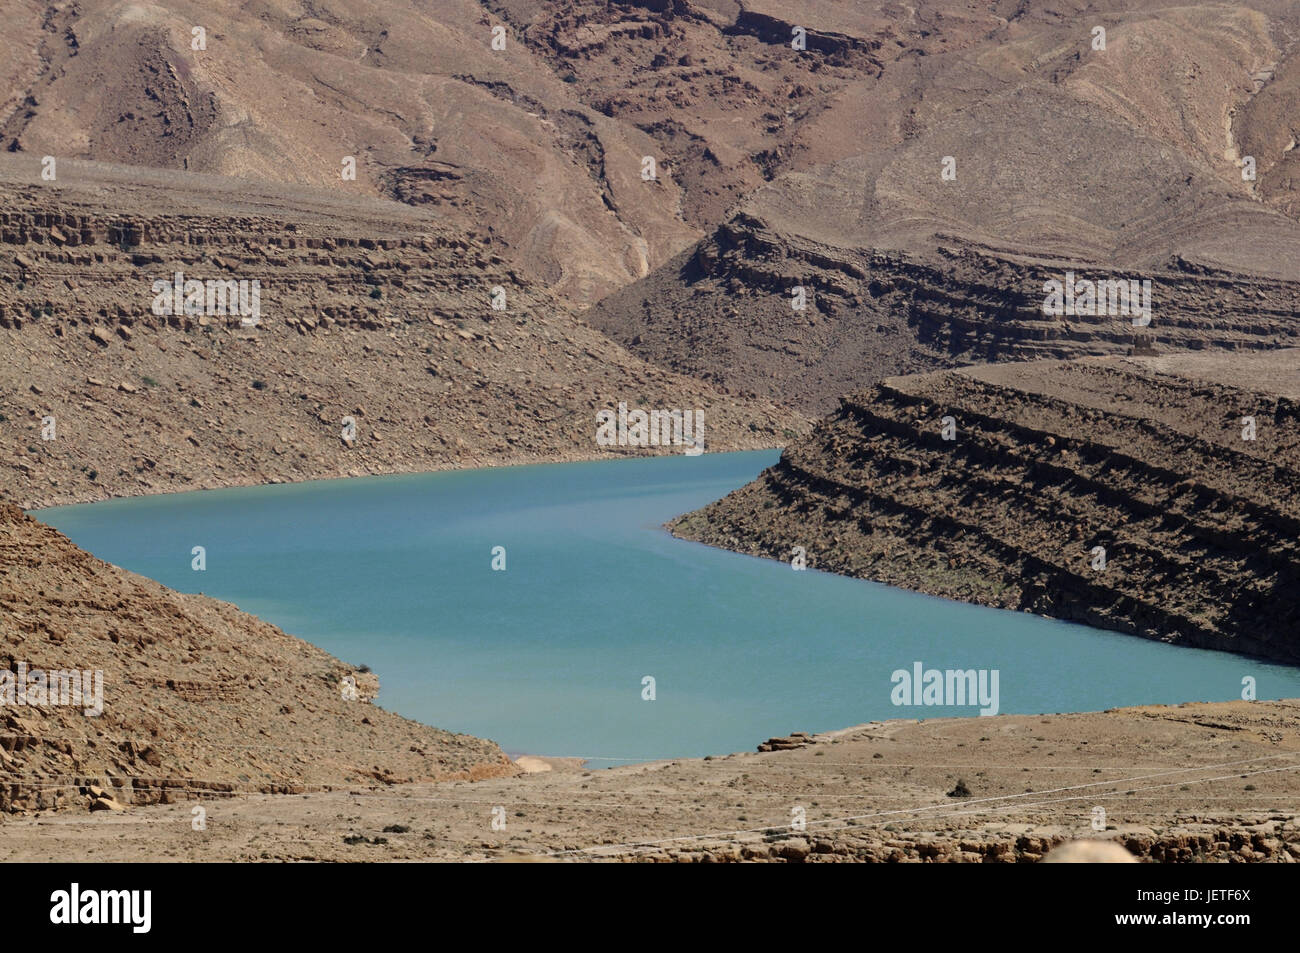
column 1017, row 160
column 1156, row 496
column 414, row 92
column 369, row 310
column 196, row 699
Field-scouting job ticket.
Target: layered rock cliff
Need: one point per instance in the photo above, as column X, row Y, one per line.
column 1006, row 160
column 369, row 310
column 1155, row 496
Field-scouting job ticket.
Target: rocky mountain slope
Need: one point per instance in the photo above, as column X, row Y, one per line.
column 715, row 83
column 415, row 92
column 198, row 698
column 369, row 310
column 823, row 167
column 1012, row 161
column 1129, row 494
column 530, row 119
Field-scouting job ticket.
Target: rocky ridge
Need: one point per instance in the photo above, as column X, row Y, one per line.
column 369, row 310
column 1003, row 485
column 1014, row 157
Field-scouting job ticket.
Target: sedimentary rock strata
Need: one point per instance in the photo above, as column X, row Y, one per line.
column 369, row 310
column 1157, row 496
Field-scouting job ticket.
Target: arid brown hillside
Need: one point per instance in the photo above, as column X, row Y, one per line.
column 1012, row 161
column 719, row 87
column 199, row 699
column 541, row 145
column 1004, row 484
column 542, row 141
column 492, row 140
column 716, row 84
column 370, row 310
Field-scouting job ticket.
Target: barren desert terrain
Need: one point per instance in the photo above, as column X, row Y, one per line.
column 830, row 226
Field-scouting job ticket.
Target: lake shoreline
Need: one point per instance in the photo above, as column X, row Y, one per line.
column 513, row 657
column 898, row 805
column 34, row 504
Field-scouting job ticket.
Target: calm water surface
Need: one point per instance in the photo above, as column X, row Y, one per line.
column 548, row 656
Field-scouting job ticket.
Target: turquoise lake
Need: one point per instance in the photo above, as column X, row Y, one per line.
column 548, row 656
